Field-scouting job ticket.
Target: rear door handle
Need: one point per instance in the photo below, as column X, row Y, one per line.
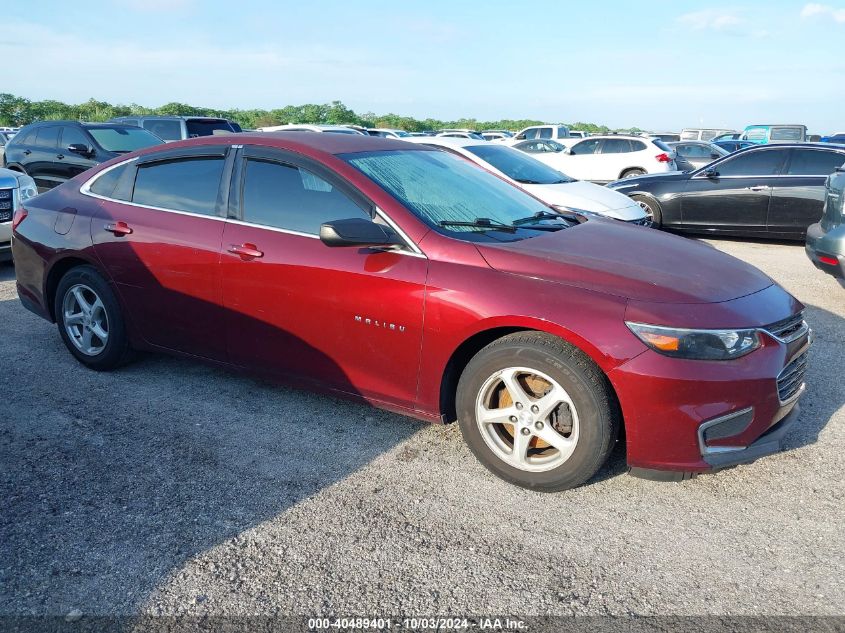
column 27, row 152
column 118, row 228
column 759, row 188
column 60, row 156
column 246, row 251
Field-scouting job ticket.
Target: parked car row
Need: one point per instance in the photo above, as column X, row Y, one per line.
column 52, row 152
column 774, row 191
column 603, row 158
column 422, row 280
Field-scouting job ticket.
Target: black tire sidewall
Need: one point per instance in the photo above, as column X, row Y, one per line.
column 657, row 216
column 117, row 346
column 591, row 450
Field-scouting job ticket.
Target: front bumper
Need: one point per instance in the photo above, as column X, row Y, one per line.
column 691, row 416
column 830, row 244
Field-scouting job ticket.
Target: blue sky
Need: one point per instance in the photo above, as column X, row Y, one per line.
column 657, row 64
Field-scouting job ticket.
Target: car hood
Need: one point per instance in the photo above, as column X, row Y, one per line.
column 631, row 183
column 589, row 197
column 8, row 178
column 629, row 261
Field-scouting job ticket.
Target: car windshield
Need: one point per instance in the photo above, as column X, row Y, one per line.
column 123, row 139
column 440, row 187
column 518, row 166
column 207, row 127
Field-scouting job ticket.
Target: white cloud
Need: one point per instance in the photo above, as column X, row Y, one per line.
column 814, row 9
column 710, row 19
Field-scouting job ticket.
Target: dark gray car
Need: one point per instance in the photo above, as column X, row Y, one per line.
column 826, row 239
column 698, row 153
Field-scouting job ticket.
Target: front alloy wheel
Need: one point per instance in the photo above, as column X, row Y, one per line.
column 527, row 419
column 537, row 411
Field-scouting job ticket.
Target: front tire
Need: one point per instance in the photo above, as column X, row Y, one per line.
column 90, row 321
column 652, row 210
column 537, row 412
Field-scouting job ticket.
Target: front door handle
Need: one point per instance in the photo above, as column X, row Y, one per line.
column 758, row 188
column 246, row 251
column 27, row 152
column 118, row 228
column 60, row 156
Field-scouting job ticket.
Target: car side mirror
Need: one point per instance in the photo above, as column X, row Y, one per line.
column 358, row 232
column 567, row 150
column 711, row 173
column 80, row 148
column 715, row 155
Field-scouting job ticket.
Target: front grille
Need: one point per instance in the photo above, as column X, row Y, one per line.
column 5, row 205
column 788, row 329
column 791, row 378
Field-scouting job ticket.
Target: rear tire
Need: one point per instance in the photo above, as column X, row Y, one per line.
column 90, row 321
column 651, row 208
column 631, row 173
column 537, row 412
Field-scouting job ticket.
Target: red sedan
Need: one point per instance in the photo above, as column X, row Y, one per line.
column 418, row 282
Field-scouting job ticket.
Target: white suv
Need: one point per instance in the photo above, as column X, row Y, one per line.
column 302, row 127
column 604, row 158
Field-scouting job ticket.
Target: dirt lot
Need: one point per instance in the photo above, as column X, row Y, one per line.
column 171, row 487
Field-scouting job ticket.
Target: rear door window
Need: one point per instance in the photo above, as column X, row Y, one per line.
column 616, row 146
column 186, row 184
column 814, row 162
column 48, row 137
column 545, row 132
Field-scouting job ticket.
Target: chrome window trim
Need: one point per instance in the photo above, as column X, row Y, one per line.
column 710, row 450
column 85, row 189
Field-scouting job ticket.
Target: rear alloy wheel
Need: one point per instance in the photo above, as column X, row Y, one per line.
column 89, row 319
column 537, row 412
column 654, row 218
column 633, row 173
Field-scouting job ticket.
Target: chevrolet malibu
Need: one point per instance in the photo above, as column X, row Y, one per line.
column 408, row 278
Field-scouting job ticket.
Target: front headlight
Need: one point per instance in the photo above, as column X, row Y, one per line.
column 696, row 344
column 26, row 189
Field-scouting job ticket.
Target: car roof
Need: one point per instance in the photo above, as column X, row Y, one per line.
column 85, row 124
column 298, row 141
column 169, row 116
column 448, row 141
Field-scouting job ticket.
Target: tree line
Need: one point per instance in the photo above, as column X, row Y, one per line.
column 17, row 111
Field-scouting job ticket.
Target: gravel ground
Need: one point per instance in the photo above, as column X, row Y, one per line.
column 173, row 488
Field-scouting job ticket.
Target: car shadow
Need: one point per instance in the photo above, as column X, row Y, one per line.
column 112, row 481
column 7, row 271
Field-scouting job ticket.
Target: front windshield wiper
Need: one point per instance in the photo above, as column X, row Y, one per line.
column 543, row 215
column 483, row 223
